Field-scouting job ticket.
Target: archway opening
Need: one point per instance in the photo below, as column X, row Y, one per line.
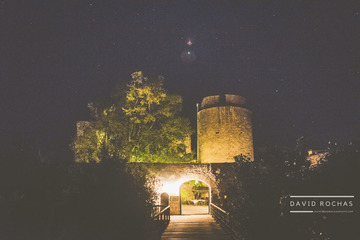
column 194, row 197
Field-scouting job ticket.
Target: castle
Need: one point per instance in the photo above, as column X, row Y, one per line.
column 224, row 130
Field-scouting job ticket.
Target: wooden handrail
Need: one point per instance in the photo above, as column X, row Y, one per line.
column 162, row 211
column 225, row 212
column 223, row 218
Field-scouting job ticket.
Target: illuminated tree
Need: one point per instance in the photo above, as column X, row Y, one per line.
column 143, row 125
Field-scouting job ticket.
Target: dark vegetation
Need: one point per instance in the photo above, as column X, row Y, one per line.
column 46, row 201
column 259, row 198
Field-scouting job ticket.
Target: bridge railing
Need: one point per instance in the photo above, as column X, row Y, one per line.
column 222, row 217
column 161, row 213
column 161, row 217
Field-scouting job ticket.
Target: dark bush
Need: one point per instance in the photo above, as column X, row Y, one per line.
column 45, row 201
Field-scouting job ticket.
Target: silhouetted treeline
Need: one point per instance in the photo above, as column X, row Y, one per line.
column 45, row 201
column 259, row 196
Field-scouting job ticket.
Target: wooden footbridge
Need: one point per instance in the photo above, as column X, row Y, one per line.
column 214, row 226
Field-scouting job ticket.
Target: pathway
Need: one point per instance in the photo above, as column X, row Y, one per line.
column 194, row 210
column 194, row 227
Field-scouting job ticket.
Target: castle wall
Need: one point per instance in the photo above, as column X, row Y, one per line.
column 224, row 129
column 167, row 177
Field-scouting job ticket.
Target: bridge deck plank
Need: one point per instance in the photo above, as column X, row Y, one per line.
column 194, row 227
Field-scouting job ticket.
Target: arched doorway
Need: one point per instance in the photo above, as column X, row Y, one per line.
column 195, row 197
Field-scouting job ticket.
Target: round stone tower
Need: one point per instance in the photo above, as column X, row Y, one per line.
column 224, row 129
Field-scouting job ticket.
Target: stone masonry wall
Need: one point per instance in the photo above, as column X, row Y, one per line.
column 224, row 132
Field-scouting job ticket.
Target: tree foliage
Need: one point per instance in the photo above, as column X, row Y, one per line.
column 259, row 196
column 143, row 125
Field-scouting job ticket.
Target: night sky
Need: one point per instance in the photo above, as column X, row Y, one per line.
column 298, row 64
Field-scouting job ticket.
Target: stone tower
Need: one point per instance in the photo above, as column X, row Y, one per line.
column 224, row 129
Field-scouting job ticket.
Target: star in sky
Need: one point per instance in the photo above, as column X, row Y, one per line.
column 188, row 56
column 189, row 42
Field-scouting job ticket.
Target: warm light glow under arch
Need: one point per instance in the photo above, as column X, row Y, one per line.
column 173, row 187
